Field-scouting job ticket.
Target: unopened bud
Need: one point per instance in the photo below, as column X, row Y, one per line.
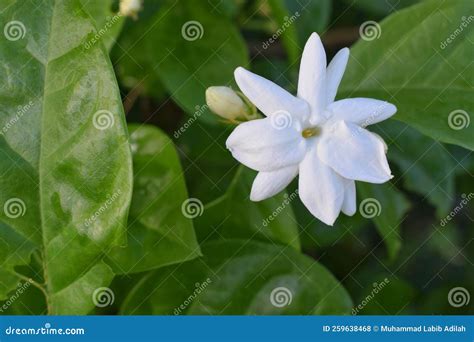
column 226, row 103
column 130, row 8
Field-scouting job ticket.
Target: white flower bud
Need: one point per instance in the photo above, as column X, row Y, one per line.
column 130, row 8
column 226, row 103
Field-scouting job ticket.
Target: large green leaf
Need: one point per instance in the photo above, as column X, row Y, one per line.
column 386, row 207
column 381, row 7
column 426, row 167
column 233, row 215
column 241, row 277
column 158, row 232
column 422, row 62
column 188, row 48
column 313, row 16
column 108, row 23
column 286, row 30
column 65, row 158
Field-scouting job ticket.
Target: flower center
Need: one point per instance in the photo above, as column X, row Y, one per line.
column 311, row 132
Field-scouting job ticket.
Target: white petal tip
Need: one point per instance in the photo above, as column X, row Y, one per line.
column 239, row 71
column 313, row 36
column 256, row 197
column 391, row 108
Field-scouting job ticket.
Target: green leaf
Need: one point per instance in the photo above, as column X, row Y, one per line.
column 381, row 7
column 159, row 233
column 234, row 216
column 64, row 147
column 414, row 66
column 386, row 207
column 426, row 166
column 313, row 16
column 238, row 277
column 107, row 23
column 289, row 35
column 187, row 48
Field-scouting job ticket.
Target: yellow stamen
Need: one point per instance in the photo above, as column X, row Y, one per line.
column 311, row 132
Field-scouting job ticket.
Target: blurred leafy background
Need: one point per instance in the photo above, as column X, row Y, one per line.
column 163, row 77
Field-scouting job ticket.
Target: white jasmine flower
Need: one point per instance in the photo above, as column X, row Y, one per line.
column 322, row 140
column 226, row 103
column 130, row 8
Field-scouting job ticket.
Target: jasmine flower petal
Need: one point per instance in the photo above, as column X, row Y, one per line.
column 361, row 111
column 320, row 188
column 267, row 184
column 354, row 153
column 334, row 73
column 312, row 77
column 349, row 206
column 269, row 97
column 261, row 146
